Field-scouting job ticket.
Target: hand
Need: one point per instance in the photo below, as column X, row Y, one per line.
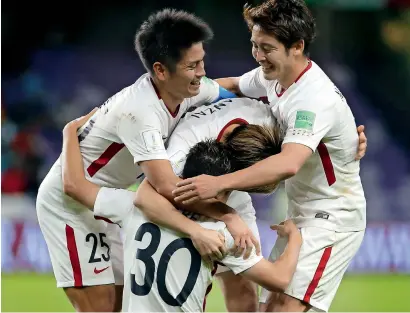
column 79, row 122
column 243, row 236
column 210, row 244
column 286, row 229
column 201, row 187
column 361, row 150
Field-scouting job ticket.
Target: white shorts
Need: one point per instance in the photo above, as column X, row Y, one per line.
column 324, row 257
column 84, row 251
column 250, row 220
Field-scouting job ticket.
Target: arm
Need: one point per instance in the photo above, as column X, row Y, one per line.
column 75, row 184
column 231, row 84
column 251, row 84
column 142, row 136
column 271, row 170
column 281, row 271
column 155, row 208
column 161, row 176
column 308, row 124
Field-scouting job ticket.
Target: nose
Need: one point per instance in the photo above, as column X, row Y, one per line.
column 259, row 55
column 200, row 69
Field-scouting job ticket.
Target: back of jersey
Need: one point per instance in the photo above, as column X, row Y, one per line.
column 163, row 271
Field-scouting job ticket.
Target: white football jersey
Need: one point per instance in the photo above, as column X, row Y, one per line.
column 163, row 271
column 327, row 191
column 210, row 121
column 129, row 127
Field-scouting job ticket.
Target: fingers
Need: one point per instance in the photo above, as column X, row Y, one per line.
column 217, row 254
column 183, row 189
column 83, row 119
column 185, row 182
column 257, row 245
column 192, row 200
column 241, row 247
column 249, row 247
column 186, row 196
column 360, row 129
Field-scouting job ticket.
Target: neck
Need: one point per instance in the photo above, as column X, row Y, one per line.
column 294, row 73
column 170, row 100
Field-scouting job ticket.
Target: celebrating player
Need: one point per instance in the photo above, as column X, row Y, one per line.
column 123, row 140
column 317, row 160
column 163, row 270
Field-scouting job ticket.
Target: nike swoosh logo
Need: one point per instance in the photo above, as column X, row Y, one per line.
column 100, row 271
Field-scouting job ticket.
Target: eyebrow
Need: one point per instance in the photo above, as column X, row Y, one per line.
column 266, row 45
column 196, row 61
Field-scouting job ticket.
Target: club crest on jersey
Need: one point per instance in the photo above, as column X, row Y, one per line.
column 153, row 140
column 305, row 120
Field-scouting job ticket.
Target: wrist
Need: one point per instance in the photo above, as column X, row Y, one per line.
column 192, row 229
column 296, row 237
column 225, row 182
column 229, row 217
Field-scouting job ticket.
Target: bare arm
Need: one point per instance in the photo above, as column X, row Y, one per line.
column 155, row 207
column 268, row 171
column 75, row 184
column 161, row 176
column 148, row 200
column 276, row 276
column 230, row 83
column 271, row 170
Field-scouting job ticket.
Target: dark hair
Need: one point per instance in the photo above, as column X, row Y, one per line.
column 208, row 157
column 166, row 34
column 288, row 20
column 248, row 144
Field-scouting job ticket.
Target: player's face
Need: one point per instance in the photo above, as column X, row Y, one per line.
column 187, row 78
column 270, row 54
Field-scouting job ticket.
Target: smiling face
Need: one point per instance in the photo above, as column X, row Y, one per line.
column 184, row 80
column 275, row 59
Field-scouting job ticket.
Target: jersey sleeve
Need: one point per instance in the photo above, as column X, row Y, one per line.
column 114, row 205
column 238, row 265
column 178, row 149
column 141, row 133
column 253, row 84
column 309, row 122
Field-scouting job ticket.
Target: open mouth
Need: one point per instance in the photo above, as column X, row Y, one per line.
column 196, row 83
column 267, row 67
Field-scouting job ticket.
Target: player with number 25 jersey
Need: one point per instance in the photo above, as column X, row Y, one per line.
column 130, row 127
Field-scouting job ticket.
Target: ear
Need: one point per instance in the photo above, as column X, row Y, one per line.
column 160, row 71
column 298, row 48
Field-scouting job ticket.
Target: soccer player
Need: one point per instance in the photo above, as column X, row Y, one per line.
column 164, row 272
column 317, row 160
column 123, row 141
column 236, row 122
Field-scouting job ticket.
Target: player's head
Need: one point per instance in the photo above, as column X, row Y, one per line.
column 249, row 144
column 208, row 157
column 170, row 45
column 282, row 31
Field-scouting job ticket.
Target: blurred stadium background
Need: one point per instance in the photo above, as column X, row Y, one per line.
column 61, row 59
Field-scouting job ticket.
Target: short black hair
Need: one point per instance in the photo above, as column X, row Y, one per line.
column 166, row 34
column 208, row 157
column 288, row 20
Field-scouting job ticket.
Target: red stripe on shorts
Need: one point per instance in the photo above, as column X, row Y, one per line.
column 318, row 274
column 208, row 290
column 74, row 259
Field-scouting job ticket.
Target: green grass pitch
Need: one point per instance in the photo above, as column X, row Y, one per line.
column 27, row 292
